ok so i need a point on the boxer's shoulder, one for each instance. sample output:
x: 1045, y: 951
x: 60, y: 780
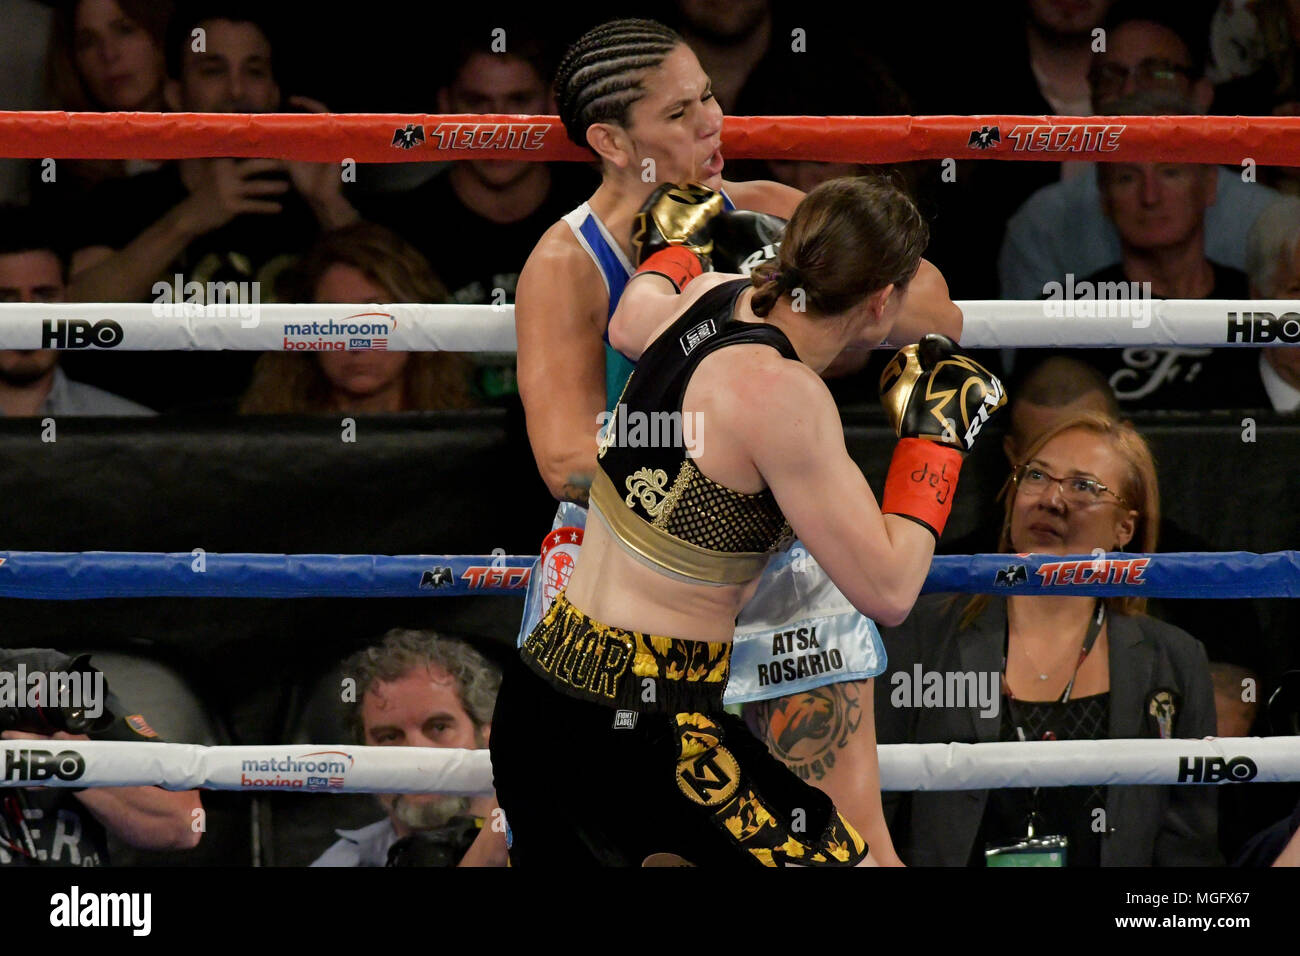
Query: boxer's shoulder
x: 764, y: 195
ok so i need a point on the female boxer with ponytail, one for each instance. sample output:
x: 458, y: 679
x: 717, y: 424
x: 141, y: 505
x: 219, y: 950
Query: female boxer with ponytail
x: 633, y: 93
x: 621, y: 682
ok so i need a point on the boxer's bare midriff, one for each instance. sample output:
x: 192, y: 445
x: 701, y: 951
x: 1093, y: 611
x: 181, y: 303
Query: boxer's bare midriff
x: 619, y: 588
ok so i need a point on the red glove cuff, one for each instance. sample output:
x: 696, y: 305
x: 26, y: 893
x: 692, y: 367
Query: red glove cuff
x: 921, y: 482
x: 676, y: 264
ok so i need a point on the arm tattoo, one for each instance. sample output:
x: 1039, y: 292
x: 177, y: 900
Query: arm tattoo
x: 577, y: 488
x: 804, y: 731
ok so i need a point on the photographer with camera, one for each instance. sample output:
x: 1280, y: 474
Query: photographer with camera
x: 48, y: 696
x: 419, y: 689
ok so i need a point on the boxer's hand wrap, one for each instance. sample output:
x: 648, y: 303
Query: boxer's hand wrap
x: 675, y: 216
x: 677, y: 264
x: 938, y: 400
x: 744, y: 240
x: 921, y: 481
x: 932, y: 390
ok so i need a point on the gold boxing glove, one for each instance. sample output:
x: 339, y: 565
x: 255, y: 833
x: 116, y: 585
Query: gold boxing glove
x: 676, y: 216
x: 933, y: 390
x: 938, y: 400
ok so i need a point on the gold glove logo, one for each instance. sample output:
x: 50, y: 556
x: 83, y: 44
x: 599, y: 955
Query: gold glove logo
x: 677, y: 213
x: 707, y: 773
x: 991, y: 397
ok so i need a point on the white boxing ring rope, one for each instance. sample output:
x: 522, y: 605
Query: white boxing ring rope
x: 1061, y: 323
x: 330, y: 768
x: 232, y: 324
x: 251, y: 326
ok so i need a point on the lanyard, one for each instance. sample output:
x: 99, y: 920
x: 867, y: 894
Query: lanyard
x: 1094, y: 629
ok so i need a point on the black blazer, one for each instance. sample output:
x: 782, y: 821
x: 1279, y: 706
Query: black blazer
x: 1149, y: 825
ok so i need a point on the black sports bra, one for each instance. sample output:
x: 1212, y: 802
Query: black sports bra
x: 646, y: 487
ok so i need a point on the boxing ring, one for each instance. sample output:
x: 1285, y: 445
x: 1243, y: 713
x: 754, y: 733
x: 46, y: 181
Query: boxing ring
x: 181, y: 321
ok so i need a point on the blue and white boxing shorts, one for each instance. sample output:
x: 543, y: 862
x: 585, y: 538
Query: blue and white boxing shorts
x: 796, y: 634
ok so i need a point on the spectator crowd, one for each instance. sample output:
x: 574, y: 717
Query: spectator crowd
x: 460, y: 232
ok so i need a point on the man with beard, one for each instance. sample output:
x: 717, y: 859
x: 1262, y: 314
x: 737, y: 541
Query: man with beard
x: 31, y: 382
x: 418, y: 689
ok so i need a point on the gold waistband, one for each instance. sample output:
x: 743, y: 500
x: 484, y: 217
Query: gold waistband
x: 667, y: 551
x: 609, y: 665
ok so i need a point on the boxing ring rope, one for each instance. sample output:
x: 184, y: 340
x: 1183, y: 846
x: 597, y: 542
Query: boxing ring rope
x: 404, y: 138
x: 53, y: 575
x: 342, y: 768
x: 246, y: 325
x: 385, y: 138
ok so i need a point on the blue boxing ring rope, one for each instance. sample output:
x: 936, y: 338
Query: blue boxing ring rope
x: 51, y: 575
x: 85, y: 575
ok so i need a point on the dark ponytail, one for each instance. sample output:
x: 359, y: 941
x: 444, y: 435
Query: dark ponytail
x: 848, y: 238
x: 771, y: 282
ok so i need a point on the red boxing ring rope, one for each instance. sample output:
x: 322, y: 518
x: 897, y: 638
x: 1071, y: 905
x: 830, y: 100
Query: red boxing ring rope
x: 397, y: 138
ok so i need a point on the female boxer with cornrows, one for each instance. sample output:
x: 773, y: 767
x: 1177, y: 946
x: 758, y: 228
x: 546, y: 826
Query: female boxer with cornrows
x: 626, y: 671
x: 633, y: 93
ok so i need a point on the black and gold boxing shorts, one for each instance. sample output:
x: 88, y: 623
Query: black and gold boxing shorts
x: 625, y: 669
x: 635, y: 756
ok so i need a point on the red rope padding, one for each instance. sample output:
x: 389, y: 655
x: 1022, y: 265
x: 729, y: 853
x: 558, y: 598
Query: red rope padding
x: 375, y: 138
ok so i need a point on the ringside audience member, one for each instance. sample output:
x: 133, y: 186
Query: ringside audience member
x: 358, y: 264
x: 210, y: 221
x: 1160, y: 212
x: 1051, y: 667
x: 105, y: 55
x: 1150, y: 51
x: 32, y: 269
x: 70, y: 827
x: 1273, y: 267
x: 419, y: 689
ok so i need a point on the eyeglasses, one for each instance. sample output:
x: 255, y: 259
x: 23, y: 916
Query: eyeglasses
x: 1078, y: 492
x: 1152, y: 73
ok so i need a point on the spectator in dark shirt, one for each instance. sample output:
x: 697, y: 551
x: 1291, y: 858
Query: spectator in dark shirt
x: 1151, y: 50
x: 207, y: 220
x: 1056, y: 667
x: 357, y: 264
x: 31, y: 382
x: 105, y: 55
x: 1034, y: 57
x: 1159, y: 211
x: 477, y: 222
x: 1062, y: 386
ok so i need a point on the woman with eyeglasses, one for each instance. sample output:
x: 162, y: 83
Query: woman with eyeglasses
x: 1054, y: 667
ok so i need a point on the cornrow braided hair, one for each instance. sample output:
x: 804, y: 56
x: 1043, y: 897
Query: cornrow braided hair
x: 600, y: 76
